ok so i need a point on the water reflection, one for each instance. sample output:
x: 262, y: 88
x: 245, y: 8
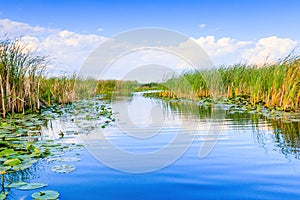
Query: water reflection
x: 285, y: 136
x: 249, y: 154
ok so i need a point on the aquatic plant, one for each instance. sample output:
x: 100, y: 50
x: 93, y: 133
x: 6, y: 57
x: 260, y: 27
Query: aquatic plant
x: 275, y: 86
x: 20, y: 73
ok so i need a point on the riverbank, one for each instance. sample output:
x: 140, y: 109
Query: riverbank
x: 274, y: 87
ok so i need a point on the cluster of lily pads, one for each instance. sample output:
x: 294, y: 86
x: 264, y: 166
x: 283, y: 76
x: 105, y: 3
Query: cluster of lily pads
x: 41, y: 195
x: 22, y: 142
x: 241, y: 104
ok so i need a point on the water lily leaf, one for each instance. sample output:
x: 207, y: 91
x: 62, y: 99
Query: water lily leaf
x: 32, y: 186
x: 12, y: 162
x: 51, y: 145
x: 3, y: 124
x: 45, y: 195
x: 16, y: 184
x: 63, y: 168
x: 8, y: 152
x: 3, y: 195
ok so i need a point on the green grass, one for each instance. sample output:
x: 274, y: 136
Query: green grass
x: 274, y: 86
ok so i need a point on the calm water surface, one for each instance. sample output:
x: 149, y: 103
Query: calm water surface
x: 254, y: 158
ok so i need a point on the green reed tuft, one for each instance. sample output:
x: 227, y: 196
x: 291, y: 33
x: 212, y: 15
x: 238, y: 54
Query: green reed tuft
x: 274, y: 85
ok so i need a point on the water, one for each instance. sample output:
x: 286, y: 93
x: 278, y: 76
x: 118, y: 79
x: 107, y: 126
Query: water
x: 250, y: 157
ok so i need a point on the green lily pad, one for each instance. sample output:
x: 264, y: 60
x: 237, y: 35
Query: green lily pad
x: 3, y: 195
x: 16, y: 184
x: 50, y: 145
x: 32, y: 186
x: 8, y: 152
x: 63, y: 168
x: 45, y: 195
x: 12, y: 162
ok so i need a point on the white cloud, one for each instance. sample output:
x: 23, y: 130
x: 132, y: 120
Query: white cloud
x: 70, y: 49
x: 269, y: 49
x: 17, y: 29
x: 100, y: 29
x: 231, y: 51
x: 67, y: 49
x: 224, y: 50
x: 202, y: 25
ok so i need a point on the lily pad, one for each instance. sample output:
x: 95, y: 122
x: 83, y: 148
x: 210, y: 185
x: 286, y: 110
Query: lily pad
x: 12, y: 162
x: 16, y: 184
x: 32, y: 186
x: 8, y: 152
x: 45, y: 195
x: 3, y: 195
x: 63, y: 168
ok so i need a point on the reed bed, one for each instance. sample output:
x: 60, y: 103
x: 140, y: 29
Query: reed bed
x: 20, y: 76
x: 274, y: 86
x: 24, y: 86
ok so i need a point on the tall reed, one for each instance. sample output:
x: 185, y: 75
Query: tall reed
x: 20, y: 73
x: 275, y: 85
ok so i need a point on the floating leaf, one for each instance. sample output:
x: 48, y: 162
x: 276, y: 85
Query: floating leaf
x: 16, y: 184
x: 32, y: 186
x: 63, y: 168
x: 12, y: 162
x: 3, y: 195
x: 45, y: 195
x: 51, y: 145
x: 8, y: 152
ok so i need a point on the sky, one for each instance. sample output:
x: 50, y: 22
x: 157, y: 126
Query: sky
x: 229, y: 31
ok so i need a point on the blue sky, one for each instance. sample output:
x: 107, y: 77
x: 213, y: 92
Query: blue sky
x: 229, y: 31
x: 245, y: 20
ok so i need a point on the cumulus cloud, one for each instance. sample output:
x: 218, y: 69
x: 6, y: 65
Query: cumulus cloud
x: 70, y: 49
x: 224, y: 50
x: 269, y: 49
x: 227, y: 50
x: 67, y: 49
